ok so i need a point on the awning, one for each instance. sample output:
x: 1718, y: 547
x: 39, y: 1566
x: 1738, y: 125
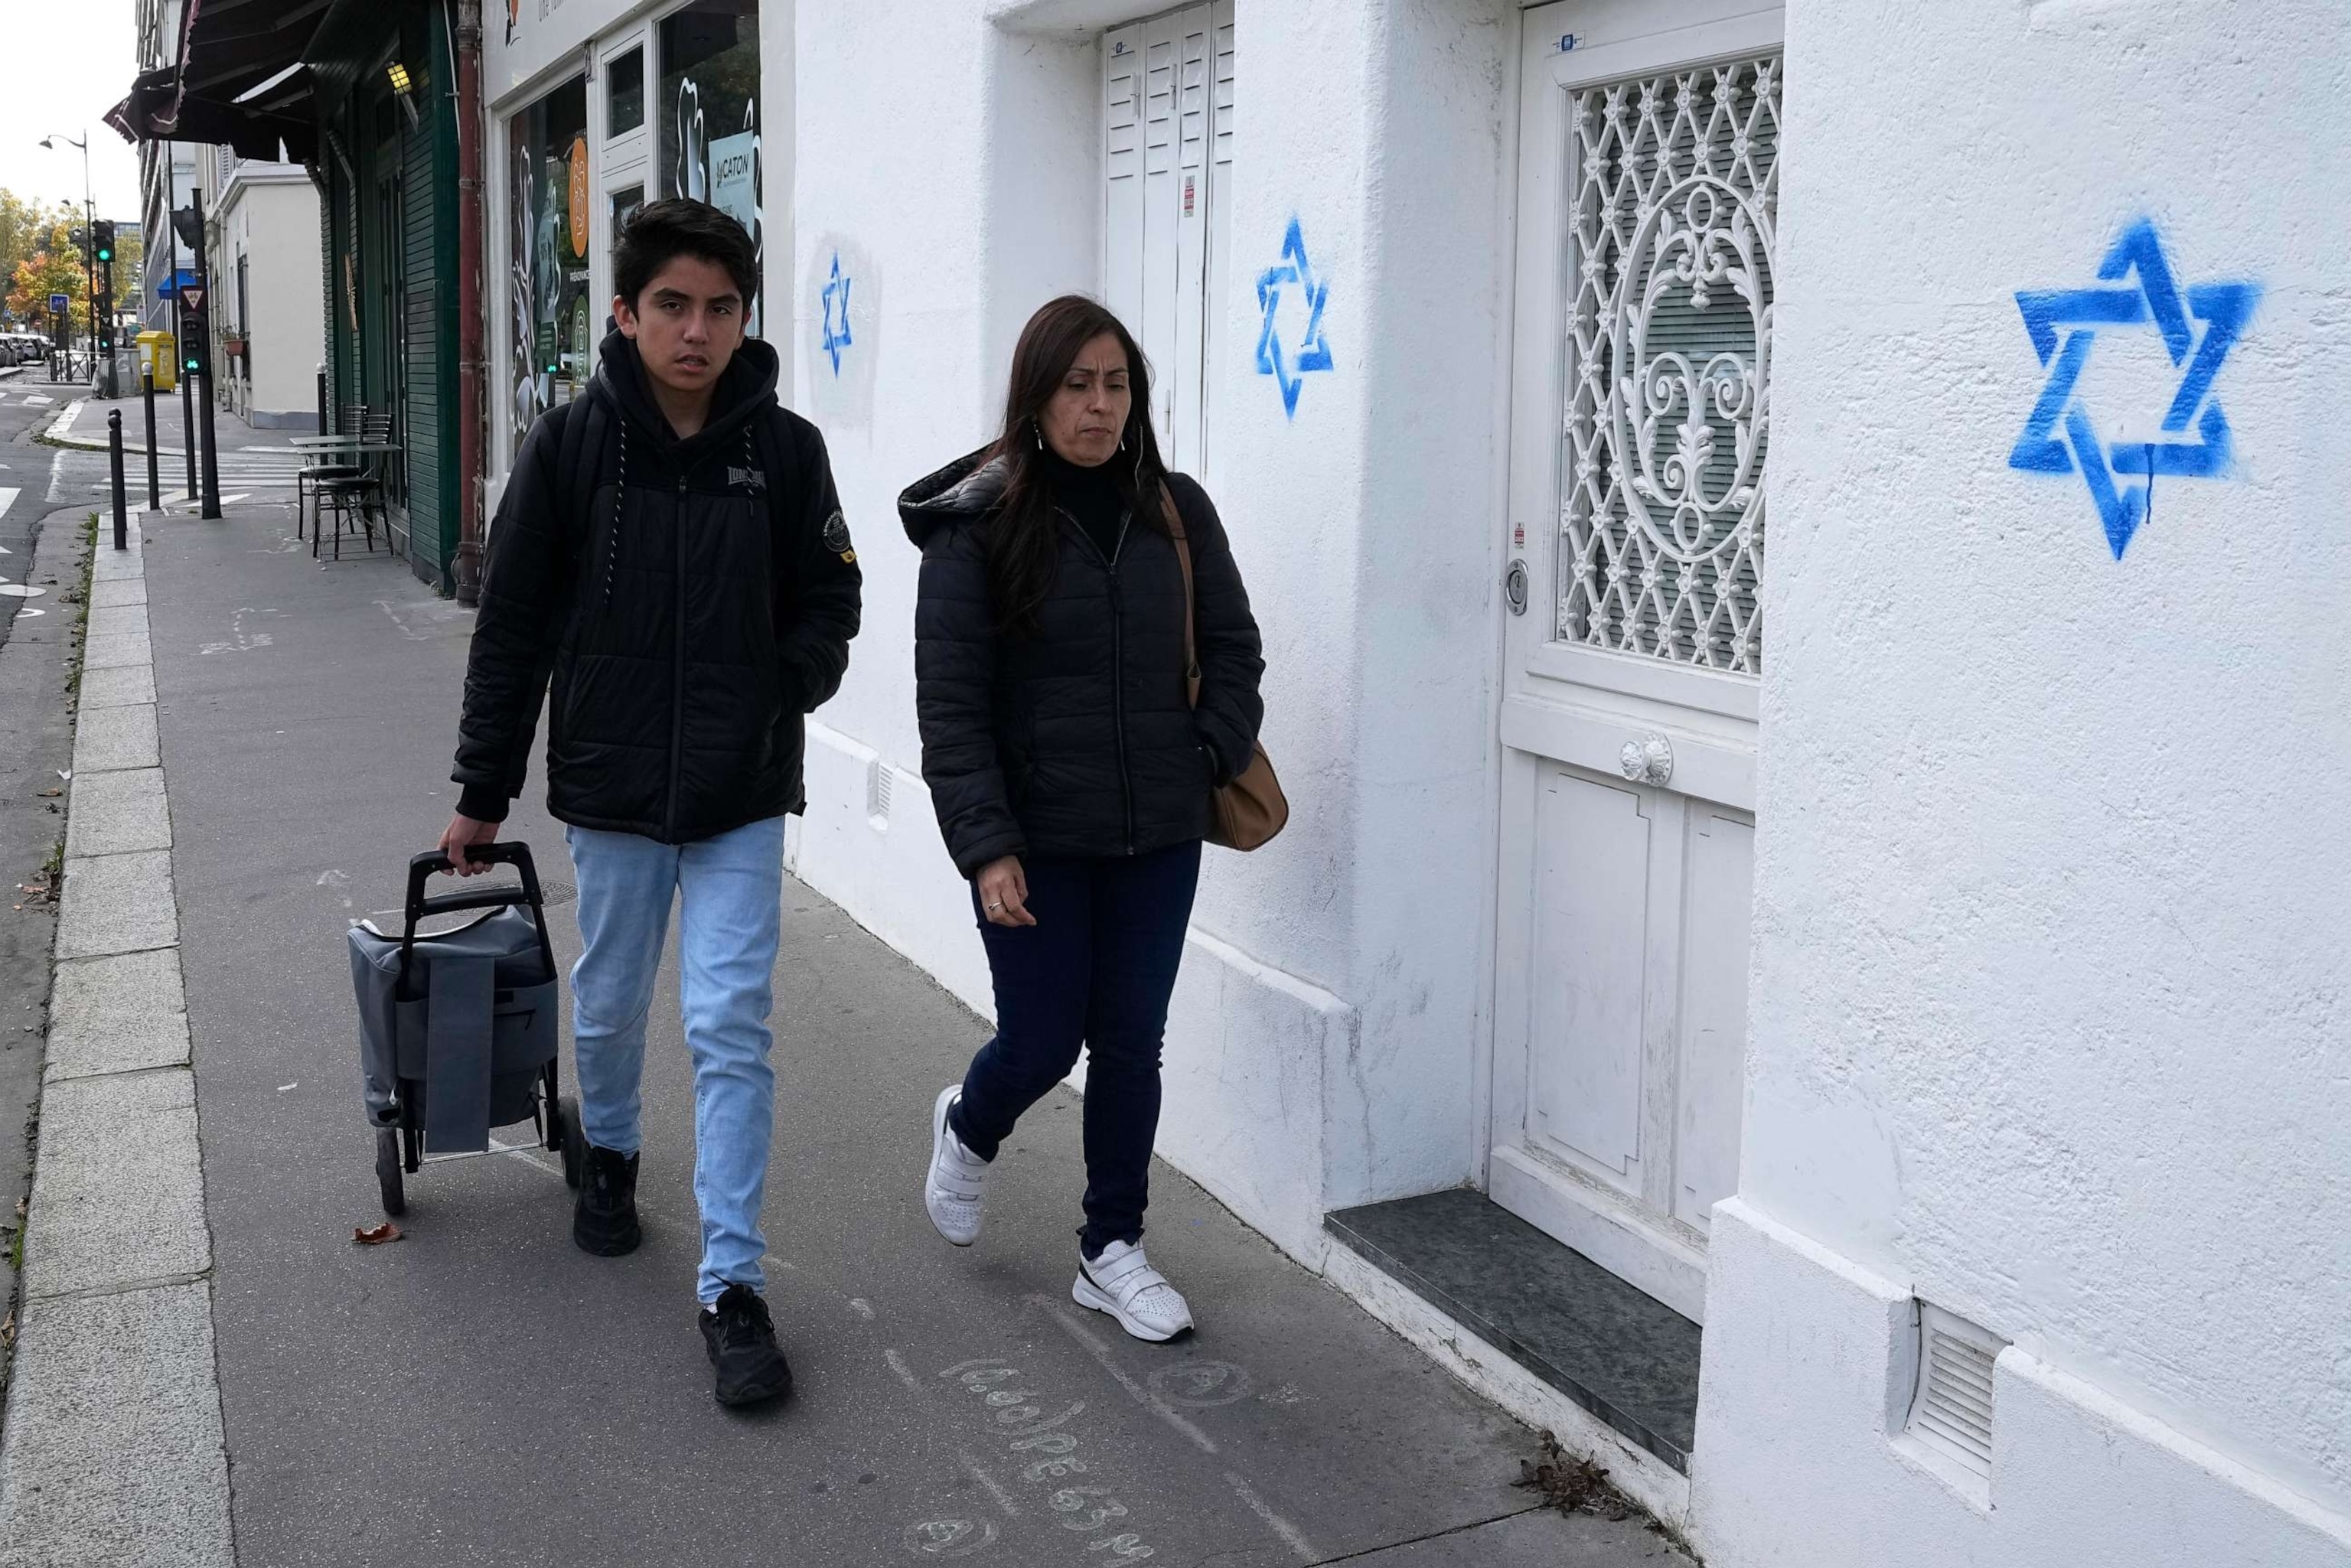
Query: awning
x: 169, y: 287
x: 236, y: 82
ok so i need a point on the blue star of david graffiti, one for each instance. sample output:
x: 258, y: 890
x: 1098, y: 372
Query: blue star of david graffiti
x: 836, y: 336
x: 2060, y: 437
x: 1313, y: 351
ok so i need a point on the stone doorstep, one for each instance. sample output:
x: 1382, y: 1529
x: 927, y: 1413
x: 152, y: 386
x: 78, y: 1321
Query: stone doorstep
x: 1608, y: 1346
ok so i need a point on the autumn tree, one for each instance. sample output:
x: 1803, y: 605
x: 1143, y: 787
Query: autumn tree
x: 25, y: 226
x: 56, y: 267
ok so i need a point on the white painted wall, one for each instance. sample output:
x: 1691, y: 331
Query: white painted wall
x: 2050, y: 995
x: 1324, y: 1038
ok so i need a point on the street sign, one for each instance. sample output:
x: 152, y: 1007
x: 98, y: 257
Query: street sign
x: 192, y: 297
x: 58, y: 303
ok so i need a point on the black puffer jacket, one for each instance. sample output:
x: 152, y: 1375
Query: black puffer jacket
x: 691, y: 601
x: 1078, y: 741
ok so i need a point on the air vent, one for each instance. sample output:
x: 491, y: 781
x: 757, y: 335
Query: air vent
x: 1950, y: 1408
x: 878, y: 775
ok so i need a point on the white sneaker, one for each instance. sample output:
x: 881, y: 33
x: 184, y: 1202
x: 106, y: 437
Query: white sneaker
x: 1122, y: 1283
x: 956, y: 1191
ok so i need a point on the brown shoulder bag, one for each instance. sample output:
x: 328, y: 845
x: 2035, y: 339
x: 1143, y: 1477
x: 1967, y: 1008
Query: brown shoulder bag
x: 1247, y: 812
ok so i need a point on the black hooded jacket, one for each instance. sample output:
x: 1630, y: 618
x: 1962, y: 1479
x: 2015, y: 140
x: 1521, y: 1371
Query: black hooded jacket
x: 690, y: 600
x: 1078, y: 740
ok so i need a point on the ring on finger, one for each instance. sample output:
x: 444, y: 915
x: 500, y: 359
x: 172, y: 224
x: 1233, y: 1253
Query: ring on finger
x: 997, y: 905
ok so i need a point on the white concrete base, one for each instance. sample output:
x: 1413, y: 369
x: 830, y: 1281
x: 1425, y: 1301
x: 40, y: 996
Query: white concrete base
x: 1806, y: 1378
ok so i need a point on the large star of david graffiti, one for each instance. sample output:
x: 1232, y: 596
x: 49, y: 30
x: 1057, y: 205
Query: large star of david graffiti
x: 836, y: 322
x: 1313, y: 352
x: 2198, y: 327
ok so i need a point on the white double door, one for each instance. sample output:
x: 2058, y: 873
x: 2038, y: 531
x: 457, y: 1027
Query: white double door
x: 1647, y: 197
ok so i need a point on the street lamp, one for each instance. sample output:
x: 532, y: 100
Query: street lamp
x: 90, y: 222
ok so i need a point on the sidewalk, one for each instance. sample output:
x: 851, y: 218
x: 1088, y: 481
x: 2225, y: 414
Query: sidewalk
x: 483, y: 1391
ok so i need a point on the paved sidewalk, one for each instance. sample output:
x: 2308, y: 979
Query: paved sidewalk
x: 483, y: 1391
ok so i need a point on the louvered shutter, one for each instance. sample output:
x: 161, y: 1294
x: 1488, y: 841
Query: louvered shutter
x: 1122, y: 172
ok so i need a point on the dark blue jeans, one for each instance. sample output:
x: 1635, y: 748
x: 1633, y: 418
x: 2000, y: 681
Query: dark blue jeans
x: 1096, y: 969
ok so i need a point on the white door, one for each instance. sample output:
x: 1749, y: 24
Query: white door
x: 1167, y: 142
x: 1647, y: 196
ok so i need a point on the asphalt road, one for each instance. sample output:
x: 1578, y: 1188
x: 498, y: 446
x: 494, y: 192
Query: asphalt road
x: 484, y: 1393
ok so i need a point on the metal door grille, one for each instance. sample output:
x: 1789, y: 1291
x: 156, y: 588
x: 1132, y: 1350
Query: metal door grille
x: 1673, y: 188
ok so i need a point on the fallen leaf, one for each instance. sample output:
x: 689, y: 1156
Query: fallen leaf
x: 7, y: 1331
x: 51, y: 794
x: 375, y: 1235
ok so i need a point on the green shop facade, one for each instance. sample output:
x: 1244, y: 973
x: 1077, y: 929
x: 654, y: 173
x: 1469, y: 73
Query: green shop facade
x: 384, y: 86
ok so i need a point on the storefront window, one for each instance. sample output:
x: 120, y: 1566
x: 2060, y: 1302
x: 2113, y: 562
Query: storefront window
x: 625, y: 202
x: 553, y: 351
x: 624, y: 108
x: 708, y: 111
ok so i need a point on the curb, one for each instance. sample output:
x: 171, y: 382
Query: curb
x: 113, y: 1448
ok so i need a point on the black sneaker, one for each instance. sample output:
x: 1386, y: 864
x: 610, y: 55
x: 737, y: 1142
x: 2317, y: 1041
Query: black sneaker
x: 741, y: 1340
x: 604, y: 1217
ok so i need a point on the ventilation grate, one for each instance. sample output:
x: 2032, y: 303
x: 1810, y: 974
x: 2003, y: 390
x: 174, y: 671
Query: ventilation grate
x: 1951, y: 1408
x: 878, y: 775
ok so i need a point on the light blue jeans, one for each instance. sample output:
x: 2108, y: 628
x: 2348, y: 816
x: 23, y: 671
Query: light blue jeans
x: 729, y: 888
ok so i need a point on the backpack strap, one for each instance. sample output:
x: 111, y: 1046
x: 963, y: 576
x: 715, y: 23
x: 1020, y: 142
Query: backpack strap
x: 1191, y: 607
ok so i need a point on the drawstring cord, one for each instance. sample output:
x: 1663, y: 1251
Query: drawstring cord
x: 620, y: 503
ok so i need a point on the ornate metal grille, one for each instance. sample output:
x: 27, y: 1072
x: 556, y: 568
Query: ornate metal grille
x: 1674, y: 183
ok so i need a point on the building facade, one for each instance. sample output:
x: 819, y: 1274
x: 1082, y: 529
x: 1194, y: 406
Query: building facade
x: 1796, y: 556
x: 384, y: 95
x: 267, y: 314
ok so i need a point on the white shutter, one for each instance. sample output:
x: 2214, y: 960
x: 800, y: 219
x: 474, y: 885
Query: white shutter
x: 1122, y: 172
x: 1166, y: 149
x: 1196, y: 91
x: 1218, y: 201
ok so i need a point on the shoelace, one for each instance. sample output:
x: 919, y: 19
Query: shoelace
x: 743, y: 1321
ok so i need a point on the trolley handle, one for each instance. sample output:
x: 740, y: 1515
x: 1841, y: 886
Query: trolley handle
x: 434, y: 862
x: 419, y: 907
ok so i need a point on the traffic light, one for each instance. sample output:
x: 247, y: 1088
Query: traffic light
x: 102, y: 230
x: 189, y: 226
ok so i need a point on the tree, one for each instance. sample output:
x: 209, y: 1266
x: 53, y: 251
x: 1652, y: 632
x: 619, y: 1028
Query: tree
x: 57, y: 267
x: 25, y: 226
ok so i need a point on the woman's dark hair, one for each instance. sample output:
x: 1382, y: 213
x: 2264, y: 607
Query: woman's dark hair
x: 661, y: 232
x: 1023, y: 544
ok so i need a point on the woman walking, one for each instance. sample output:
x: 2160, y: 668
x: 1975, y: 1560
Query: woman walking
x: 1070, y: 772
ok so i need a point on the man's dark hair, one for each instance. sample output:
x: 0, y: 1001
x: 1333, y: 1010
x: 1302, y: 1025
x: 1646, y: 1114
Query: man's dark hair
x: 661, y: 232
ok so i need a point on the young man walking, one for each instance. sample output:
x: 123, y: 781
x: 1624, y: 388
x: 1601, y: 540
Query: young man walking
x: 669, y: 568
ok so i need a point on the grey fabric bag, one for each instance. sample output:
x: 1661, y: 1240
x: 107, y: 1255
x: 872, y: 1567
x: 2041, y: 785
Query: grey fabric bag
x: 466, y: 1038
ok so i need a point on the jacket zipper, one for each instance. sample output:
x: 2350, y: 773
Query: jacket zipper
x: 1117, y: 658
x: 1118, y: 676
x: 677, y: 663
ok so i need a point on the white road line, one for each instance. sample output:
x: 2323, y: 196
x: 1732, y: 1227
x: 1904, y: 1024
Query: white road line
x: 7, y: 499
x: 57, y: 478
x: 995, y: 1488
x: 1273, y: 1521
x: 1101, y: 1352
x: 36, y: 398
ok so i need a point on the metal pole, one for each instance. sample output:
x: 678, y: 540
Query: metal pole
x: 204, y: 281
x: 121, y: 500
x: 322, y: 402
x: 187, y: 404
x: 154, y: 478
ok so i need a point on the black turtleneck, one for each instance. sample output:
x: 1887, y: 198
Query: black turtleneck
x: 1091, y: 497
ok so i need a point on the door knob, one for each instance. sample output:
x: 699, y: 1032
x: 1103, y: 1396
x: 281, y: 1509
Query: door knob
x: 1514, y: 587
x: 1648, y: 761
